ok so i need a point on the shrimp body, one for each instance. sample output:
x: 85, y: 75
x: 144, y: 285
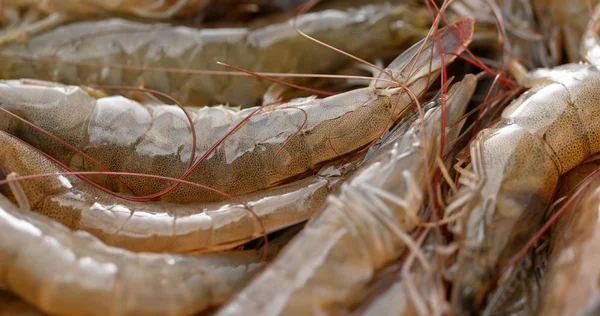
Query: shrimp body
x: 160, y: 226
x: 570, y: 286
x: 87, y: 8
x: 412, y: 290
x: 270, y: 147
x: 328, y: 265
x: 514, y: 170
x: 83, y: 52
x: 73, y: 273
x: 563, y: 25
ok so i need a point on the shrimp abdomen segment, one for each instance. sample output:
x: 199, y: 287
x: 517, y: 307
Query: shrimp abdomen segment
x: 517, y: 190
x: 543, y: 134
x: 566, y: 121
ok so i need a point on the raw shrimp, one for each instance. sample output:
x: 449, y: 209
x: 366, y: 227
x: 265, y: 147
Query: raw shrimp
x: 90, y: 8
x: 514, y: 170
x: 327, y: 266
x: 60, y: 11
x: 57, y: 12
x: 121, y: 52
x: 270, y: 147
x: 589, y: 49
x: 563, y: 25
x: 570, y: 285
x: 161, y: 226
x: 519, y: 30
x: 73, y: 273
x: 412, y: 290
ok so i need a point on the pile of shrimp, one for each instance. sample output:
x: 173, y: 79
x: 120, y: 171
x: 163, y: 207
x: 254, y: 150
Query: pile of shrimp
x: 296, y: 157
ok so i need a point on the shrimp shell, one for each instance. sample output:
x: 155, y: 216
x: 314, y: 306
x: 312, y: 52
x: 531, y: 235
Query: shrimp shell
x: 563, y: 25
x: 514, y: 171
x: 73, y: 273
x: 570, y: 283
x: 83, y: 52
x: 326, y: 267
x: 90, y: 8
x: 269, y: 148
x: 412, y: 290
x: 161, y: 226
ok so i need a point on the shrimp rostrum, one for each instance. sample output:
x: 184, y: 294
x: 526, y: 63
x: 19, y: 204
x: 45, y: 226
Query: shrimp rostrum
x: 364, y: 227
x: 514, y: 170
x: 265, y: 149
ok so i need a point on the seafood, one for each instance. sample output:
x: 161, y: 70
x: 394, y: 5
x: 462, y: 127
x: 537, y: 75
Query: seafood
x: 361, y: 229
x: 541, y: 33
x: 589, y: 48
x: 570, y: 285
x: 161, y: 226
x: 564, y: 24
x: 270, y: 146
x: 518, y: 31
x: 414, y: 290
x: 73, y: 273
x: 121, y: 52
x: 142, y: 8
x: 514, y: 170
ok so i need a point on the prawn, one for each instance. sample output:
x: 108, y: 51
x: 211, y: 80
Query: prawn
x: 519, y: 32
x: 514, y: 170
x: 569, y: 286
x: 414, y: 290
x: 267, y: 149
x: 72, y: 273
x: 563, y: 25
x: 162, y: 226
x: 362, y: 228
x: 58, y: 12
x: 164, y: 57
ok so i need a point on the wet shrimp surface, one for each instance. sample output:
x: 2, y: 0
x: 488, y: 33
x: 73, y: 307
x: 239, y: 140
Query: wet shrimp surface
x: 338, y: 157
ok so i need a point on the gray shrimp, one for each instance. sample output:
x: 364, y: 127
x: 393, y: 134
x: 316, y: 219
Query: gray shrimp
x: 360, y: 230
x: 122, y: 52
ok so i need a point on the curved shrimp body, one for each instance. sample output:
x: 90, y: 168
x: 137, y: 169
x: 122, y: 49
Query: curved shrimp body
x: 514, y: 171
x: 72, y: 273
x: 160, y: 226
x: 570, y: 286
x: 82, y: 53
x: 270, y: 147
x: 328, y: 265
